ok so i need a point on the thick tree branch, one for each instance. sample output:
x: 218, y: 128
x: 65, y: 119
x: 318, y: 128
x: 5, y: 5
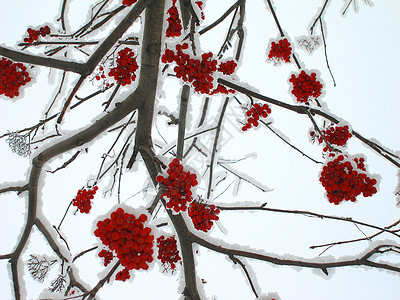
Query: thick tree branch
x: 70, y: 66
x: 18, y: 189
x: 182, y: 120
x: 363, y: 261
x: 146, y: 86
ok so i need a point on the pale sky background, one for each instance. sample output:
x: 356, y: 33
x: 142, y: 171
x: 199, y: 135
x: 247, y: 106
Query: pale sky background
x: 363, y: 50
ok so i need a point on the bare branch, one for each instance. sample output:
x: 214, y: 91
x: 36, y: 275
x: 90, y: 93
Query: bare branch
x: 304, y: 110
x: 214, y: 149
x: 309, y: 214
x: 182, y: 120
x: 237, y: 261
x: 18, y: 189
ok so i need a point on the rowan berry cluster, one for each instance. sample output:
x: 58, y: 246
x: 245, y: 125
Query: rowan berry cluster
x: 305, y: 86
x: 126, y: 236
x: 124, y: 72
x: 198, y: 72
x: 227, y: 68
x: 360, y: 163
x: 335, y: 135
x: 174, y: 22
x: 34, y: 34
x: 83, y: 199
x: 12, y: 77
x: 108, y: 256
x: 202, y: 215
x: 254, y: 115
x: 178, y: 186
x: 344, y: 182
x: 101, y: 77
x: 128, y: 2
x: 123, y: 275
x: 220, y: 89
x: 168, y: 252
x: 280, y: 52
x: 200, y: 5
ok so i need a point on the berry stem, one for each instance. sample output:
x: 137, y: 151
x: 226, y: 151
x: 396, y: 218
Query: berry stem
x: 321, y: 134
x: 62, y: 220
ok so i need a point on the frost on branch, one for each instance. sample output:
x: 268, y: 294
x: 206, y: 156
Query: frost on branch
x: 309, y: 43
x: 58, y: 284
x: 19, y: 143
x: 39, y: 266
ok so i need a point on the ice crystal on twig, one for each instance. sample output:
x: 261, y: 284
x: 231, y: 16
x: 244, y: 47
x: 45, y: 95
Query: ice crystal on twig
x: 39, y: 267
x: 309, y: 43
x: 58, y: 284
x: 19, y: 144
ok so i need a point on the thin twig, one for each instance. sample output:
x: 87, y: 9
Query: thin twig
x: 84, y: 252
x: 18, y: 189
x: 58, y: 93
x: 214, y: 149
x: 242, y: 178
x: 67, y: 162
x: 308, y: 214
x: 295, y: 148
x: 202, y: 118
x: 222, y: 18
x: 326, y: 55
x: 107, y: 104
x: 301, y: 109
x: 237, y: 261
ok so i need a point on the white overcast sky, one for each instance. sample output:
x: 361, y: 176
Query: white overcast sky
x: 363, y: 50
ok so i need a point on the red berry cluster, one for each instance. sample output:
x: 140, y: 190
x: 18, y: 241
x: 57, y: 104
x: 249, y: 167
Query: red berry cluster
x: 305, y: 86
x: 360, y: 163
x: 125, y: 234
x: 254, y: 115
x: 280, y: 51
x: 335, y: 135
x: 100, y: 76
x: 34, y: 34
x: 174, y: 22
x: 123, y: 275
x: 220, y: 89
x: 344, y: 182
x: 12, y: 77
x: 178, y: 185
x: 198, y: 72
x: 202, y: 215
x: 128, y: 2
x: 200, y: 5
x: 168, y: 251
x: 227, y: 68
x: 124, y: 72
x: 108, y: 256
x: 83, y: 199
